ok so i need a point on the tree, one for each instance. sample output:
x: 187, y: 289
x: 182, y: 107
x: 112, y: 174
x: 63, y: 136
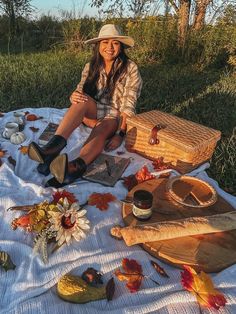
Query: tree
x: 14, y: 9
x: 200, y: 13
x: 182, y: 10
x: 137, y: 7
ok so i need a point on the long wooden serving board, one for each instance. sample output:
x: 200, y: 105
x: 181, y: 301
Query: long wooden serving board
x: 208, y: 252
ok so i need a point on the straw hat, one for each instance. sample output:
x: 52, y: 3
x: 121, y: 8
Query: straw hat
x: 112, y: 31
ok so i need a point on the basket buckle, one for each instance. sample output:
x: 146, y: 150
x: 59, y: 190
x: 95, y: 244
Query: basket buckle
x: 153, y: 137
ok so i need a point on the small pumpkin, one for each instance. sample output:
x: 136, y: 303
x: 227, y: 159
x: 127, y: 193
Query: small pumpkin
x: 17, y: 138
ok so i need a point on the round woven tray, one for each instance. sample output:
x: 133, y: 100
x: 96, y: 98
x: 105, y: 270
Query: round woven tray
x: 190, y: 200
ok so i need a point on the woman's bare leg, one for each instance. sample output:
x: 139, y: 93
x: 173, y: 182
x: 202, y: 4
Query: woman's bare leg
x: 75, y: 115
x: 96, y: 141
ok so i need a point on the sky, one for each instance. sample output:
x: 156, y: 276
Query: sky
x: 54, y: 7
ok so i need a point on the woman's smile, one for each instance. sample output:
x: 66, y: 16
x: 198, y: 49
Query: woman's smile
x: 109, y: 49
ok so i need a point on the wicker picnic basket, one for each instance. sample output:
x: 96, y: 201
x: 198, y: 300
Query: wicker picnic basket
x: 182, y: 143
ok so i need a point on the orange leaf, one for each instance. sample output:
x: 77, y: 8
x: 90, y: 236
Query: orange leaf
x: 101, y: 200
x: 62, y: 194
x: 141, y: 175
x: 202, y: 287
x: 132, y: 274
x: 23, y: 149
x: 159, y: 164
x: 32, y: 117
x: 23, y: 222
x: 2, y: 153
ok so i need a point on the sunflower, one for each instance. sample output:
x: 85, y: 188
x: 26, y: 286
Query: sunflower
x: 69, y: 222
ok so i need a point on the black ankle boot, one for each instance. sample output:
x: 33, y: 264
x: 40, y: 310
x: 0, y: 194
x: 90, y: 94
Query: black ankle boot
x: 44, y: 155
x: 65, y: 172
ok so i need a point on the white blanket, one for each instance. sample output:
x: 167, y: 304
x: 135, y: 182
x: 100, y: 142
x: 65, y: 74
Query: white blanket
x: 30, y: 288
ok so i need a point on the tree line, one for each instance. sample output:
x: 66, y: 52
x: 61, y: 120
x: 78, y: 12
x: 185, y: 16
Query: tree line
x: 179, y: 23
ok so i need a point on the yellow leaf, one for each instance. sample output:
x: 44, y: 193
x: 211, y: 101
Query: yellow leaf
x: 202, y: 287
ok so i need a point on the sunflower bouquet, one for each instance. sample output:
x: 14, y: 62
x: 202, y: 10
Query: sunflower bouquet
x: 58, y: 221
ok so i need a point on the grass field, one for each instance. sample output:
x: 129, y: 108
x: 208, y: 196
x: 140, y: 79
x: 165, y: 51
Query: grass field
x: 206, y: 96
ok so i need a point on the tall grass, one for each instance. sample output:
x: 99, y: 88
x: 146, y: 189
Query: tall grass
x: 206, y: 96
x: 38, y: 80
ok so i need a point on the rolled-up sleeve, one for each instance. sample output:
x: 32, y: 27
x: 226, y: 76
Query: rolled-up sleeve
x: 84, y: 75
x: 132, y: 90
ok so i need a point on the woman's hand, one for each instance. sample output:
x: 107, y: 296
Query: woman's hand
x: 77, y: 97
x: 113, y: 143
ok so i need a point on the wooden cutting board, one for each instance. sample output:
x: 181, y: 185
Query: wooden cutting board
x: 209, y: 252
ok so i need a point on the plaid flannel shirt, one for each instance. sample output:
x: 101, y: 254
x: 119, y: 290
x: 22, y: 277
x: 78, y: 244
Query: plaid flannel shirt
x: 127, y: 90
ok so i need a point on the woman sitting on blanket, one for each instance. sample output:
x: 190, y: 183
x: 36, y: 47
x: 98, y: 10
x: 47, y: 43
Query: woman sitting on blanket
x: 106, y: 95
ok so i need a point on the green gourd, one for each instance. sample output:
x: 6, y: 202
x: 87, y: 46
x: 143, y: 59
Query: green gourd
x: 75, y: 289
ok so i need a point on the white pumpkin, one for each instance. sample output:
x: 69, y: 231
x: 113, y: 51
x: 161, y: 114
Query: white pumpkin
x: 17, y: 138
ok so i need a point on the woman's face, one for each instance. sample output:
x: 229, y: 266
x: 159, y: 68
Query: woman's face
x: 109, y: 49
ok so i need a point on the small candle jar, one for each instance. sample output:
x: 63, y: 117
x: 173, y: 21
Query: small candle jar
x: 142, y: 204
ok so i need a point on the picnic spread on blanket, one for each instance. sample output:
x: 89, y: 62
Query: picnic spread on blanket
x: 159, y: 239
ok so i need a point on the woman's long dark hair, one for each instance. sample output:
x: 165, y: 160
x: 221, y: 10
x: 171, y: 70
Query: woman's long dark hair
x: 118, y: 68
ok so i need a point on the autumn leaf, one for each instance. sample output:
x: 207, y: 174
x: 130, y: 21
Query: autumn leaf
x: 132, y: 273
x: 130, y: 181
x: 159, y: 164
x: 92, y: 276
x: 159, y: 269
x: 110, y: 289
x: 23, y: 149
x: 23, y: 222
x: 2, y: 153
x: 140, y: 176
x: 32, y: 117
x: 12, y: 161
x: 33, y: 129
x: 143, y: 175
x: 61, y: 194
x: 202, y: 287
x: 101, y: 200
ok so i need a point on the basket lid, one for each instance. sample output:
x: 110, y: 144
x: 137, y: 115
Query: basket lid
x: 179, y: 132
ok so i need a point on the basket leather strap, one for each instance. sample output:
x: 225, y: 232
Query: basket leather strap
x: 153, y: 137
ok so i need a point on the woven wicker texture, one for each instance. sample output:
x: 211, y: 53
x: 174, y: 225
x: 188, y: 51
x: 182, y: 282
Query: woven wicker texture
x: 183, y: 143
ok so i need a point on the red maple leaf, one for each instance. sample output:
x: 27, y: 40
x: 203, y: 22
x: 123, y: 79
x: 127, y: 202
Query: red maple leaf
x: 159, y: 164
x: 202, y: 287
x: 141, y: 175
x: 101, y: 200
x: 132, y: 273
x: 61, y: 194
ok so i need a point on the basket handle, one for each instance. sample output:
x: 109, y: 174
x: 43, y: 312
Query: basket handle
x: 153, y: 137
